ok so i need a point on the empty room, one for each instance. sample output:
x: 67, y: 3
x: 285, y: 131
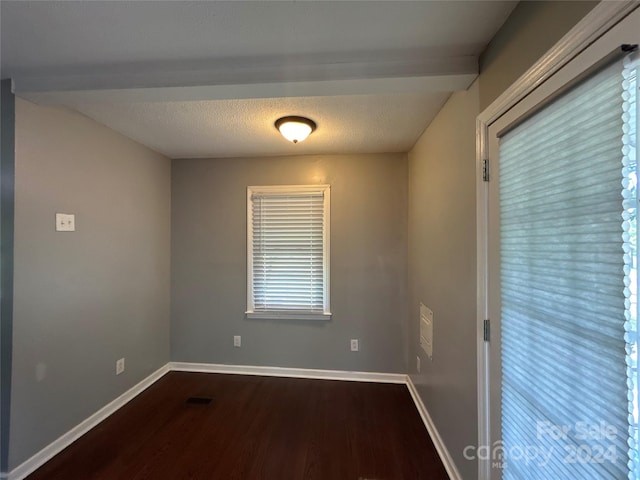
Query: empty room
x: 344, y: 240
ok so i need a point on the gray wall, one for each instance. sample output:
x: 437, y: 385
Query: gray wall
x: 442, y: 270
x: 531, y: 30
x: 368, y: 264
x: 7, y: 164
x: 84, y: 299
x: 442, y: 223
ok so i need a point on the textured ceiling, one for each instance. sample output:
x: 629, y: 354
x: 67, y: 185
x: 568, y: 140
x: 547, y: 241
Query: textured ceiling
x: 209, y: 78
x: 228, y: 128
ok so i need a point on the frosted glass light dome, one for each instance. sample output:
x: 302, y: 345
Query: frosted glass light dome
x: 295, y: 129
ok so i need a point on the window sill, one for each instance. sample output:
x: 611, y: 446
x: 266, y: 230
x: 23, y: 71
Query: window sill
x: 288, y: 315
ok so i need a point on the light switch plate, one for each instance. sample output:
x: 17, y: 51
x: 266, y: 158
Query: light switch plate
x: 119, y: 366
x: 65, y: 222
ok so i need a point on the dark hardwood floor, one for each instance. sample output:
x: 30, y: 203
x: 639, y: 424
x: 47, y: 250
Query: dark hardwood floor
x: 255, y: 428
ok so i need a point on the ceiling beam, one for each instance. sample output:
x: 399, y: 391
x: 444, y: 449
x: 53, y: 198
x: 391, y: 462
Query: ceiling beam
x: 434, y: 84
x: 318, y: 75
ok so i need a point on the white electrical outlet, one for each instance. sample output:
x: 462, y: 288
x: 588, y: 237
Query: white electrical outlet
x: 354, y: 345
x: 237, y: 341
x: 119, y: 366
x: 65, y: 222
x: 418, y: 364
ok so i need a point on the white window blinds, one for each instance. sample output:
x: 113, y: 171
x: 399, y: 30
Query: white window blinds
x: 567, y: 215
x: 288, y: 251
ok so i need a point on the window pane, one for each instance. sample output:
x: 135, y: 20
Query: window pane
x: 630, y: 155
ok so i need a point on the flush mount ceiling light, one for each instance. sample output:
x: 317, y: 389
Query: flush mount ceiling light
x: 295, y: 129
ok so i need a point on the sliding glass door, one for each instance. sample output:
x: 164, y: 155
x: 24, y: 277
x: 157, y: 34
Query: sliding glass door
x: 562, y: 277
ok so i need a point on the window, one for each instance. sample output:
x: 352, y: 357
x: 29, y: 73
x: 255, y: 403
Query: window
x: 288, y: 252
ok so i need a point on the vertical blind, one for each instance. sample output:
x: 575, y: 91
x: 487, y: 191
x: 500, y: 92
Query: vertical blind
x: 288, y: 251
x: 567, y: 215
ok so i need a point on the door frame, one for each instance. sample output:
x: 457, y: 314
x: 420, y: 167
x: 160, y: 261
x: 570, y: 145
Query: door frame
x: 596, y: 23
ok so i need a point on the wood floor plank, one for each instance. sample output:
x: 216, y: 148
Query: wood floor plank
x: 255, y: 428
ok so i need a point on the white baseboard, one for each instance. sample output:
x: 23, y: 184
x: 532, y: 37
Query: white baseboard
x: 68, y: 438
x: 40, y: 458
x: 289, y: 372
x: 441, y: 448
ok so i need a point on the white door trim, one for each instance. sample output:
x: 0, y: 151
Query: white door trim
x: 597, y: 22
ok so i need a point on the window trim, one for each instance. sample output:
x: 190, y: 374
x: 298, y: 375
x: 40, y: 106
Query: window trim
x: 290, y: 314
